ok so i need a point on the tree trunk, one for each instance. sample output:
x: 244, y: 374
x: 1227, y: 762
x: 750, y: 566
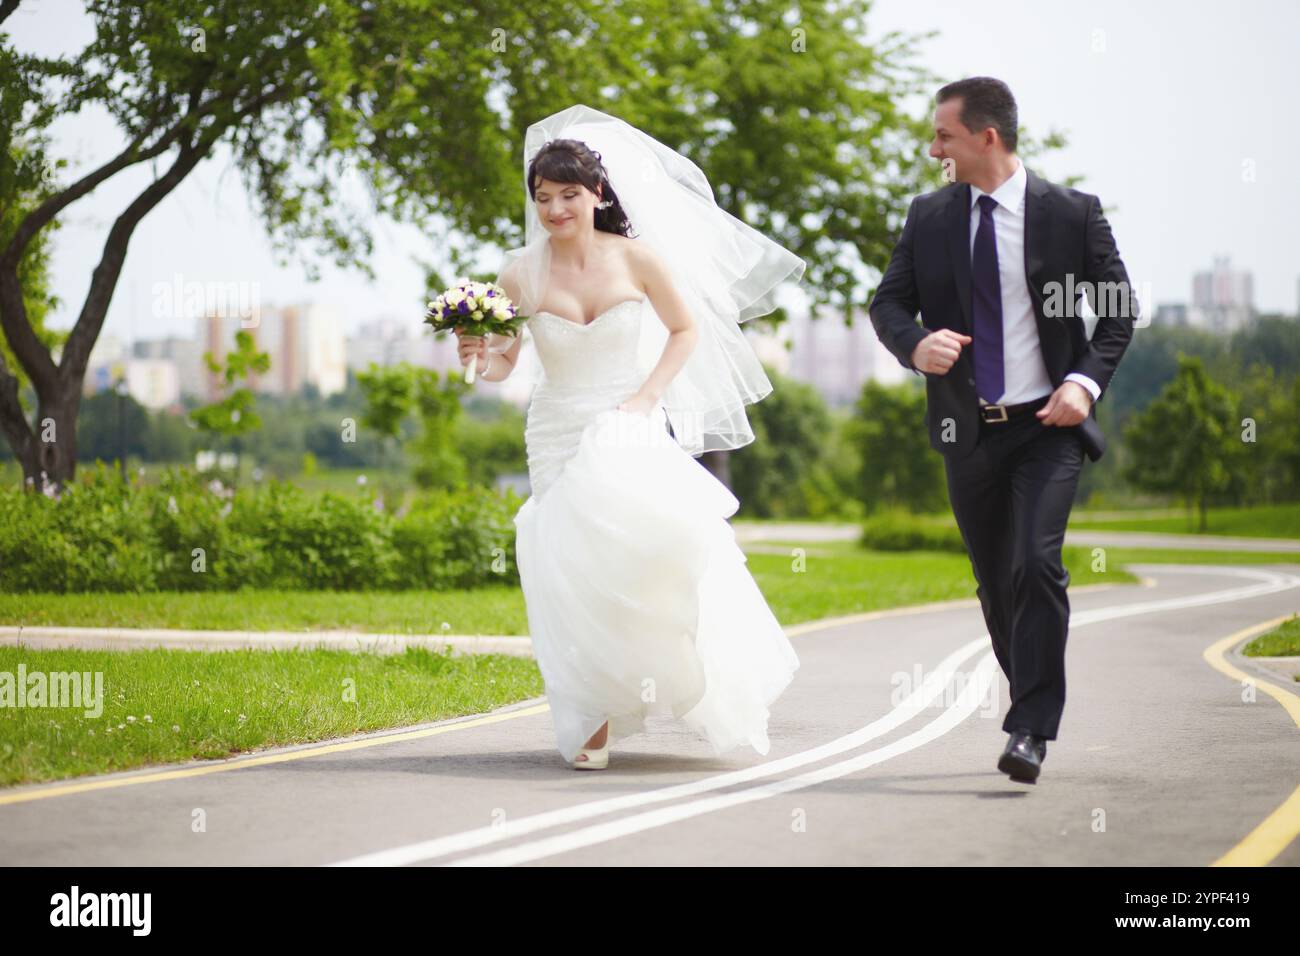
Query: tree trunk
x: 52, y: 448
x: 13, y: 423
x: 719, y: 465
x: 50, y: 455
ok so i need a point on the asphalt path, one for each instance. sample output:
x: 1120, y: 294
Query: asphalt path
x: 1173, y: 750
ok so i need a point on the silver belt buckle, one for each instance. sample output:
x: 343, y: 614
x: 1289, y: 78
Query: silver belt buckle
x: 1000, y: 408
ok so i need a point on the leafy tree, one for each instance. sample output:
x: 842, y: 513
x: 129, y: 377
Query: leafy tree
x: 235, y: 413
x: 800, y: 121
x: 1272, y: 460
x: 23, y: 183
x: 389, y: 393
x: 439, y: 462
x: 1188, y: 441
x: 492, y: 447
x: 790, y: 428
x: 898, y: 466
x: 1272, y: 341
x: 113, y: 427
x: 304, y: 96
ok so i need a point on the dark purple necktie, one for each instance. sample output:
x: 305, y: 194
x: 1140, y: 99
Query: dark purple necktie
x: 986, y: 307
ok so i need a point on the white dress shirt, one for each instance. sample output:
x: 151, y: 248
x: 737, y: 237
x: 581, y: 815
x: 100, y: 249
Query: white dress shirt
x: 1025, y: 374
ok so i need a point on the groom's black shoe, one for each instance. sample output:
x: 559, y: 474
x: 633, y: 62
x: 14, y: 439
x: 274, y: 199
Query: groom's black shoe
x: 1023, y: 758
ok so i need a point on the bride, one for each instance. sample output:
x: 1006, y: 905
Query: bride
x: 638, y: 598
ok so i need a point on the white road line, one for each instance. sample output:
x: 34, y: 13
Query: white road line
x: 931, y: 689
x: 933, y: 686
x: 969, y: 699
x: 1272, y: 582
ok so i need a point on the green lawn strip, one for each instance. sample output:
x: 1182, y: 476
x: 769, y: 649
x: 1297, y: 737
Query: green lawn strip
x: 851, y: 581
x: 288, y: 697
x: 838, y: 578
x: 166, y: 706
x: 496, y: 610
x: 1264, y: 521
x: 1122, y: 556
x: 1261, y: 521
x: 1282, y: 641
x: 1112, y: 555
x: 835, y: 578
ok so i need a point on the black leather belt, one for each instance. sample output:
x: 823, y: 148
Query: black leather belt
x: 994, y: 414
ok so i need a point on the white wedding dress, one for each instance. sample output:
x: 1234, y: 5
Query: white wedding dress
x: 639, y: 600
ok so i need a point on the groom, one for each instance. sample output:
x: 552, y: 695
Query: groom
x: 991, y: 262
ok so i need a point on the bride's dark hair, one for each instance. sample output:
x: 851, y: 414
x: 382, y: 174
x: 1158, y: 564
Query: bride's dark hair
x: 570, y: 161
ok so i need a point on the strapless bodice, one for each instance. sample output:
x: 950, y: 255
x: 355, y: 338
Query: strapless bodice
x: 601, y: 352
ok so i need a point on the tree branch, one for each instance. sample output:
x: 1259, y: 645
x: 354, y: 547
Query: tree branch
x: 41, y: 216
x: 28, y: 349
x: 12, y: 419
x: 31, y: 353
x: 76, y: 351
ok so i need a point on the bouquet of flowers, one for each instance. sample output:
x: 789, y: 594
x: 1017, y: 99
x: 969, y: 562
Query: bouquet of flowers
x: 477, y: 308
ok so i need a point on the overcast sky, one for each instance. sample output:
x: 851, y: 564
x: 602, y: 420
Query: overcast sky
x: 1181, y: 117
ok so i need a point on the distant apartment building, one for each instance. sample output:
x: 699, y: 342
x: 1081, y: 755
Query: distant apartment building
x: 388, y: 341
x: 305, y: 345
x: 837, y: 359
x: 1172, y: 315
x: 834, y: 359
x: 1223, y: 298
x: 154, y: 383
x: 152, y: 380
x: 183, y: 354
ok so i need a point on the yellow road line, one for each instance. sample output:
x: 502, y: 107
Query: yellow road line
x: 240, y: 763
x: 1280, y: 827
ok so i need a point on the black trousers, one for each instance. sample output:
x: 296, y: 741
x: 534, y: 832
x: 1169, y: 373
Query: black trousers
x: 1011, y: 497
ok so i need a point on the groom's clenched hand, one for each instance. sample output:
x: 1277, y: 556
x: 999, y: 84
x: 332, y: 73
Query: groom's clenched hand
x: 1068, y: 406
x: 938, y: 351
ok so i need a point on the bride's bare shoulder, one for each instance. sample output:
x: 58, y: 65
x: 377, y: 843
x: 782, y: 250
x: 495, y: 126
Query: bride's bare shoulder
x: 509, y: 280
x: 642, y: 261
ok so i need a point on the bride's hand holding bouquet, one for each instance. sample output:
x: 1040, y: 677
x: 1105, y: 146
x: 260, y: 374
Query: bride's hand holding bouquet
x: 474, y: 311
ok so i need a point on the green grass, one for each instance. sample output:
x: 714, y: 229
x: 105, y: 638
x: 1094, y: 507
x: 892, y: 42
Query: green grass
x: 1116, y: 557
x: 288, y: 697
x: 344, y: 480
x: 1282, y: 641
x: 1263, y: 521
x: 166, y: 706
x: 483, y: 611
x: 836, y: 579
x: 840, y: 578
x: 1121, y: 556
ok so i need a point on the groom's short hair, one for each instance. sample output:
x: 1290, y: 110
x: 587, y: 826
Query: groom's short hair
x: 985, y: 102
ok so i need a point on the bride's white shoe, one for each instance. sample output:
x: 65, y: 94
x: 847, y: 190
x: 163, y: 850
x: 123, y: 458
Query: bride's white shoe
x: 596, y: 758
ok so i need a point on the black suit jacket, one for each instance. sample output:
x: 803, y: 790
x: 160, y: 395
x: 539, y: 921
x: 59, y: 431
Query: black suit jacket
x: 1067, y: 240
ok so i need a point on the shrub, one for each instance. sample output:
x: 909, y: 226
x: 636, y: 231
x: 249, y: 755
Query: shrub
x: 897, y: 530
x: 189, y: 514
x: 94, y: 537
x: 107, y: 534
x: 316, y: 541
x: 458, y: 539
